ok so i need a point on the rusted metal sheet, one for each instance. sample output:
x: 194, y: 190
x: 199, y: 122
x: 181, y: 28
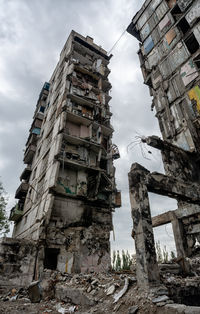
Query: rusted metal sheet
x: 193, y: 13
x: 196, y: 32
x: 183, y: 4
x: 188, y: 72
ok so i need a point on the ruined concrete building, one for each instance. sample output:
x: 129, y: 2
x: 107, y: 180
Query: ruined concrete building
x: 67, y: 192
x: 168, y: 32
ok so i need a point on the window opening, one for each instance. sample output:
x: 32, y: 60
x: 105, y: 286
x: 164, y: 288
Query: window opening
x: 51, y: 258
x: 192, y: 44
x: 183, y: 25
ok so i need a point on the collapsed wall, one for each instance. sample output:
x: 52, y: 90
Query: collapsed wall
x: 17, y: 263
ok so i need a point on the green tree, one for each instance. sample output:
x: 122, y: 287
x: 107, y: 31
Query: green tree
x: 118, y: 262
x: 165, y: 255
x: 126, y: 260
x: 4, y: 223
x: 121, y: 261
x: 114, y: 260
x: 159, y: 252
x: 173, y: 255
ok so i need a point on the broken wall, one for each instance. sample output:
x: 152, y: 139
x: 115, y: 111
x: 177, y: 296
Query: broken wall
x: 17, y: 263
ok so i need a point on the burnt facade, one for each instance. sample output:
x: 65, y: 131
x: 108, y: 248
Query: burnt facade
x: 169, y: 39
x: 67, y: 192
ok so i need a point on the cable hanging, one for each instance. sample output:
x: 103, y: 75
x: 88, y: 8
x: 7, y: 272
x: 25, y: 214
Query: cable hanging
x: 117, y: 41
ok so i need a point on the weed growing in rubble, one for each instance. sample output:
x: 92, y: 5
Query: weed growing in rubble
x: 121, y: 261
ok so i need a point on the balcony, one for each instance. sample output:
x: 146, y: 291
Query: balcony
x: 84, y: 70
x: 86, y: 142
x: 44, y: 92
x: 16, y: 213
x: 22, y: 190
x: 36, y: 131
x: 26, y: 173
x: 37, y: 121
x: 73, y: 161
x: 46, y: 86
x: 76, y: 118
x: 32, y: 139
x: 29, y: 154
x: 79, y: 99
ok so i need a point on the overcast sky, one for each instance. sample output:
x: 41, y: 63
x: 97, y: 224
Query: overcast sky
x: 32, y: 35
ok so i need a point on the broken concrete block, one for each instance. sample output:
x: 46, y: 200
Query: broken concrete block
x: 133, y: 309
x: 160, y: 290
x: 170, y: 268
x: 110, y: 290
x: 161, y: 298
x: 34, y: 291
x: 178, y: 309
x: 47, y: 288
x: 119, y: 294
x: 172, y: 309
x: 76, y: 296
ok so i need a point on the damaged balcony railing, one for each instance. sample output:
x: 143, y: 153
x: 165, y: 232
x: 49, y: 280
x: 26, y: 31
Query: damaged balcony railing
x: 26, y: 173
x: 29, y: 154
x: 16, y: 212
x: 22, y: 190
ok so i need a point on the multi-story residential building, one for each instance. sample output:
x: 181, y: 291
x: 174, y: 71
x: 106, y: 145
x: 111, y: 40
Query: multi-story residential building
x: 68, y: 192
x: 169, y: 36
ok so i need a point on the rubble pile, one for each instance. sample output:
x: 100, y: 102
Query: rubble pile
x: 105, y: 292
x: 183, y: 290
x: 99, y: 292
x: 80, y: 293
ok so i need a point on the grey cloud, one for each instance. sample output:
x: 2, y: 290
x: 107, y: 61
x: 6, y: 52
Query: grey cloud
x: 31, y: 38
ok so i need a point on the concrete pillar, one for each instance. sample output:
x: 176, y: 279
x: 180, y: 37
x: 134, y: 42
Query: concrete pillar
x: 178, y: 236
x: 146, y: 268
x: 181, y: 244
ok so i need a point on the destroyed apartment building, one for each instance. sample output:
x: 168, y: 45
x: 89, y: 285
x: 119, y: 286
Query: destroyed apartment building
x: 67, y: 193
x: 169, y: 39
